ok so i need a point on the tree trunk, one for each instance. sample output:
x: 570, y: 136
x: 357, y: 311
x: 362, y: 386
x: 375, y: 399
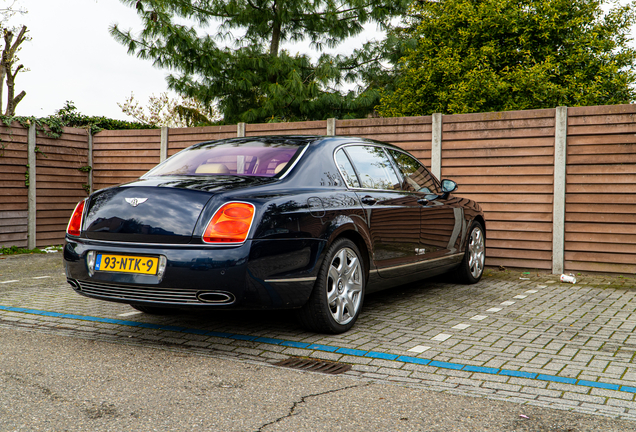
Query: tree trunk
x: 11, y: 47
x: 276, y: 26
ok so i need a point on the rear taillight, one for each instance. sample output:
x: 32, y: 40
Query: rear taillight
x: 74, y: 227
x: 230, y: 224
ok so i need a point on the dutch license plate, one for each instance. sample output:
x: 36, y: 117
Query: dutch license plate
x: 126, y: 264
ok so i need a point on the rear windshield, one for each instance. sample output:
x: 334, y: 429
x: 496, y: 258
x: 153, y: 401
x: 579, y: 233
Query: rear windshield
x: 245, y: 158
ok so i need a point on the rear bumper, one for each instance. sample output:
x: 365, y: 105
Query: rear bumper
x: 260, y: 274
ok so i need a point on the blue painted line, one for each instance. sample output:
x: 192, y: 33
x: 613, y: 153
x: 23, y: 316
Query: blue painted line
x: 380, y: 355
x: 488, y: 370
x: 415, y: 360
x: 294, y: 344
x: 558, y: 379
x: 270, y: 341
x: 353, y: 352
x: 329, y: 348
x: 446, y: 365
x: 598, y: 385
x: 518, y: 374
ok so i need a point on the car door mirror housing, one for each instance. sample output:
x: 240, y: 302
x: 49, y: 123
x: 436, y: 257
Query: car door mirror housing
x: 448, y: 186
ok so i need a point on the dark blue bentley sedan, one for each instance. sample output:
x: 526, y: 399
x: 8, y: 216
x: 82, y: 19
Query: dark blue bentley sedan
x: 282, y: 222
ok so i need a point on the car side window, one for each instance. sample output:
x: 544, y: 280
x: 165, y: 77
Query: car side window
x: 416, y: 176
x: 373, y: 167
x: 346, y: 169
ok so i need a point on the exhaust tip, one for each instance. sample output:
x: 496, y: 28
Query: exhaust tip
x: 73, y: 283
x: 218, y: 297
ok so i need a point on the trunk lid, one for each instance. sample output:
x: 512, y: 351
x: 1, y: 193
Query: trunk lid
x: 144, y: 214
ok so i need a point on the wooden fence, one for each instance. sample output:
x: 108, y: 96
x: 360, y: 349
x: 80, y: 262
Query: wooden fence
x: 509, y: 162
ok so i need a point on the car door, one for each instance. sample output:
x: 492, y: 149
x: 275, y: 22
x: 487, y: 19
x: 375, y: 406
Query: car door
x: 442, y: 220
x: 393, y: 215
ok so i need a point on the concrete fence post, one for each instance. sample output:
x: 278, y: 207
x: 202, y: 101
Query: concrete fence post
x: 331, y: 127
x: 558, y: 213
x: 163, y: 149
x: 31, y: 160
x: 240, y: 130
x: 436, y: 146
x: 90, y: 160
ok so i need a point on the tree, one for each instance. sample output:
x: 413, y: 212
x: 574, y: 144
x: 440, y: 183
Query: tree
x: 9, y: 56
x: 257, y: 80
x: 499, y: 55
x: 163, y: 110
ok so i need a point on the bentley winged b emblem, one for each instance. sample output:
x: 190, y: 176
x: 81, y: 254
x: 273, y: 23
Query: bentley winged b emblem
x: 135, y: 201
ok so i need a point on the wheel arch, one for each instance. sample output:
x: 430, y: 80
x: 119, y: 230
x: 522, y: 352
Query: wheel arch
x: 358, y: 240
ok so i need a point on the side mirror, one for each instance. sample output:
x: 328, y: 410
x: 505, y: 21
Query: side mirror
x: 448, y: 186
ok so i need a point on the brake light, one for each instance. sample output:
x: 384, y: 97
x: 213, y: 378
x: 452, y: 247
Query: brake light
x: 230, y: 224
x: 74, y: 227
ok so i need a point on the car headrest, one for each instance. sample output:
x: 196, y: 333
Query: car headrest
x: 212, y: 168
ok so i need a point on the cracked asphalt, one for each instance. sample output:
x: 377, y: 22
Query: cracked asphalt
x: 59, y: 371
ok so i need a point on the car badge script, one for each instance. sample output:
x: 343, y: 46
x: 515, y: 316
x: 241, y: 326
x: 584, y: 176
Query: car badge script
x: 135, y: 201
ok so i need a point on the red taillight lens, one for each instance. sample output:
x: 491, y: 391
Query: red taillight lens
x: 230, y: 224
x: 74, y: 227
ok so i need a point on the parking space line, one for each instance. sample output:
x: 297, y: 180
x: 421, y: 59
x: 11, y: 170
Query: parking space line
x: 9, y: 281
x: 532, y: 291
x: 461, y: 326
x: 479, y: 317
x: 419, y: 349
x: 520, y: 297
x: 507, y: 303
x: 40, y: 277
x: 129, y: 313
x: 346, y: 351
x: 441, y: 337
x: 495, y: 309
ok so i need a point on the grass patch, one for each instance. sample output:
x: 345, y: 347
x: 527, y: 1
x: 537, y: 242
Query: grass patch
x: 14, y: 250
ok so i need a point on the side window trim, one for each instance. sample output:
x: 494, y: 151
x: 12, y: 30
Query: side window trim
x: 355, y: 171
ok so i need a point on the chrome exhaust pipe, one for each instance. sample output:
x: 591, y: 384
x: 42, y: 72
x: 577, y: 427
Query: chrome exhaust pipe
x: 218, y: 297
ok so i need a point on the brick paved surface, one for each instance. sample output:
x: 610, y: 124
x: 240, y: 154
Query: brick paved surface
x: 516, y: 336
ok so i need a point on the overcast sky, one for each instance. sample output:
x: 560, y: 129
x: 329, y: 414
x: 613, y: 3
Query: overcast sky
x: 71, y: 56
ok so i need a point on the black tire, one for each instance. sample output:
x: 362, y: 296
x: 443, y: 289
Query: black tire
x: 154, y: 310
x: 320, y: 314
x: 472, y: 267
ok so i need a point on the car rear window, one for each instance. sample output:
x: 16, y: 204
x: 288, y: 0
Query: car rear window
x: 245, y: 158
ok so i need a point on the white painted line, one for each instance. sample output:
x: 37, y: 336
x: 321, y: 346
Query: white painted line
x: 520, y: 297
x: 507, y: 303
x: 532, y: 291
x: 542, y: 286
x: 494, y: 310
x: 129, y: 314
x: 9, y: 281
x: 550, y: 282
x: 461, y: 326
x: 41, y: 277
x: 442, y: 337
x: 479, y: 317
x: 419, y: 349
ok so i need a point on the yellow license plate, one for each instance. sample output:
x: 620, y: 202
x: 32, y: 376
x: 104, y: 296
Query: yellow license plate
x: 126, y: 264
